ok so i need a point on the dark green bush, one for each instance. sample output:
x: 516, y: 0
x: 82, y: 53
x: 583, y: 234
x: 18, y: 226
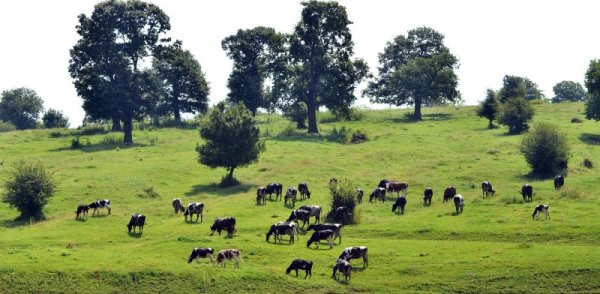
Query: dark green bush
x: 75, y: 143
x: 516, y: 114
x: 359, y: 137
x: 343, y: 194
x: 341, y: 136
x: 546, y: 149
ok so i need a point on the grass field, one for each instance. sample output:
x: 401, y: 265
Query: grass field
x: 494, y: 246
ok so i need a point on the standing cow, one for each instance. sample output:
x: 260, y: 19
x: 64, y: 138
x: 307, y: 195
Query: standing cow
x: 303, y: 190
x: 105, y: 203
x: 449, y: 193
x: 198, y: 253
x: 194, y: 208
x: 378, y: 193
x: 137, y: 220
x: 487, y: 189
x: 559, y: 181
x: 314, y: 210
x: 344, y: 267
x: 229, y: 254
x: 545, y: 209
x: 527, y: 192
x: 459, y: 203
x: 223, y: 223
x: 427, y: 195
x: 400, y: 203
x: 261, y: 196
x: 276, y: 188
x: 301, y: 264
x: 290, y: 196
x: 82, y: 211
x: 356, y: 252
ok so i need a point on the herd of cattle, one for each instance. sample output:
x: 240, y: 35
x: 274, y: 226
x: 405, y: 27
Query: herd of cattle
x: 322, y: 231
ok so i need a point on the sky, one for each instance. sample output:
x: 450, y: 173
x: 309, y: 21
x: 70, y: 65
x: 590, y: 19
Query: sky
x: 546, y: 41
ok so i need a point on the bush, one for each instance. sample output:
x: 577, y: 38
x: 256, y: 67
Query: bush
x: 341, y: 136
x: 516, y: 113
x: 359, y: 137
x: 75, y: 143
x: 343, y: 194
x: 571, y: 193
x: 55, y: 119
x: 6, y: 126
x: 92, y: 129
x: 546, y: 149
x: 587, y: 163
x: 28, y: 188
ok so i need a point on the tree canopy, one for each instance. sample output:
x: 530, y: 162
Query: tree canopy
x: 592, y: 83
x: 28, y: 188
x: 21, y: 107
x: 515, y: 86
x: 489, y: 107
x: 55, y: 119
x: 516, y: 114
x: 568, y: 91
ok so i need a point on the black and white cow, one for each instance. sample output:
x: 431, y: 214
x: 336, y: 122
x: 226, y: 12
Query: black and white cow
x: 276, y: 188
x: 397, y: 187
x: 229, y: 254
x: 459, y: 203
x: 82, y: 210
x: 400, y: 203
x: 378, y: 193
x: 527, y: 192
x: 105, y: 203
x: 314, y: 210
x: 284, y: 228
x: 487, y: 189
x: 196, y: 208
x: 321, y: 235
x: 559, y: 181
x: 303, y: 190
x: 300, y: 214
x: 290, y: 196
x: 223, y: 223
x: 383, y: 184
x: 359, y: 195
x: 261, y: 196
x: 427, y: 195
x: 198, y: 253
x: 300, y: 264
x: 356, y: 252
x: 449, y: 193
x: 177, y: 205
x: 137, y: 220
x: 344, y: 267
x: 336, y: 228
x: 545, y: 209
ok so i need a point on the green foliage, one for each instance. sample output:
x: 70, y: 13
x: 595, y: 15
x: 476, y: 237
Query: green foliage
x: 516, y: 114
x: 21, y: 107
x: 343, y: 194
x: 55, y: 119
x: 28, y: 188
x: 568, y: 91
x: 341, y: 136
x: 6, y: 126
x: 359, y: 137
x: 148, y: 193
x: 296, y: 112
x: 592, y: 83
x: 75, y: 143
x: 515, y: 86
x: 231, y: 139
x: 546, y: 149
x: 489, y: 107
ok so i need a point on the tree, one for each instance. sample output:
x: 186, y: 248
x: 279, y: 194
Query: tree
x: 231, y: 139
x: 254, y: 53
x: 516, y: 113
x: 514, y: 86
x: 21, y: 107
x: 592, y: 83
x: 546, y: 149
x: 106, y: 62
x: 184, y: 82
x: 320, y: 51
x: 28, y: 188
x: 568, y: 91
x: 414, y: 70
x: 55, y: 119
x: 489, y: 107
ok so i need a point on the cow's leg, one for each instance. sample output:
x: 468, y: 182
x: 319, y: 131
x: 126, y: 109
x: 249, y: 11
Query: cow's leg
x: 330, y: 240
x: 210, y: 257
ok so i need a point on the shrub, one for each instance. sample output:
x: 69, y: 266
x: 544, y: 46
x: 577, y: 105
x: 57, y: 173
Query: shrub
x: 288, y: 131
x: 545, y: 148
x: 516, y: 113
x: 28, y: 188
x: 587, y: 163
x: 55, y: 119
x: 92, y: 129
x: 571, y: 193
x: 358, y: 137
x: 111, y: 139
x: 75, y: 143
x: 149, y: 193
x: 341, y: 136
x: 6, y: 126
x: 343, y: 194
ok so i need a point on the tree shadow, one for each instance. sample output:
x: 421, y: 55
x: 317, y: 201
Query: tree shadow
x: 14, y: 223
x: 215, y: 188
x: 304, y: 137
x: 437, y: 116
x: 99, y: 147
x: 591, y: 139
x: 535, y: 177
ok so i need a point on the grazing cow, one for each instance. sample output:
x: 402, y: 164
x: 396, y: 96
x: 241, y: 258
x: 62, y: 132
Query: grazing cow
x: 341, y: 213
x: 300, y: 214
x: 427, y: 195
x: 294, y: 225
x: 356, y: 252
x: 314, y: 210
x: 300, y: 264
x: 459, y: 203
x: 400, y: 202
x: 487, y: 189
x: 559, y: 181
x: 276, y: 188
x: 105, y: 203
x: 321, y: 235
x: 383, y: 184
x: 449, y: 193
x: 194, y: 208
x: 177, y: 205
x: 82, y: 210
x: 359, y: 195
x: 223, y: 223
x: 545, y: 209
x: 328, y: 226
x: 378, y: 193
x: 290, y: 197
x: 229, y: 254
x: 527, y: 192
x: 261, y: 196
x: 279, y: 229
x: 303, y: 189
x: 137, y: 220
x: 344, y: 267
x: 396, y: 187
x: 198, y: 253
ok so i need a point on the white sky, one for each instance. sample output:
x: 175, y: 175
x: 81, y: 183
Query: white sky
x: 546, y: 41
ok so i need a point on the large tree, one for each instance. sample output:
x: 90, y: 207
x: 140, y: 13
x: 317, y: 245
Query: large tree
x: 415, y: 69
x: 489, y: 107
x: 592, y: 83
x: 21, y: 107
x: 515, y: 86
x: 55, y: 119
x: 106, y: 63
x: 568, y: 91
x: 184, y: 82
x: 255, y: 53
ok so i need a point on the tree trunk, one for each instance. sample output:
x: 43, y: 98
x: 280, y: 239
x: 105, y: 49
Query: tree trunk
x: 128, y: 128
x: 490, y: 125
x: 418, y: 102
x: 176, y: 112
x: 230, y: 175
x: 116, y: 124
x: 311, y: 105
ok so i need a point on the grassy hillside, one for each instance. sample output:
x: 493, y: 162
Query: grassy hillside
x: 494, y: 246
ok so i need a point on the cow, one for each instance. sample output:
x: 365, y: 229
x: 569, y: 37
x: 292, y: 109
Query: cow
x: 177, y: 205
x: 449, y: 193
x: 261, y: 196
x: 336, y: 228
x: 344, y: 267
x: 427, y: 195
x: 137, y: 220
x: 279, y: 229
x: 276, y: 188
x: 378, y: 193
x: 105, y: 203
x: 341, y: 213
x: 545, y: 209
x: 303, y: 189
x: 300, y: 214
x: 314, y: 210
x: 359, y: 195
x: 459, y: 203
x: 290, y: 196
x: 321, y: 235
x: 294, y: 225
x: 198, y: 253
x: 356, y: 252
x: 383, y: 184
x: 559, y: 181
x: 527, y: 192
x: 223, y: 223
x: 194, y: 208
x: 82, y: 210
x: 229, y: 254
x: 400, y: 203
x: 487, y: 189
x: 396, y: 187
x: 300, y: 264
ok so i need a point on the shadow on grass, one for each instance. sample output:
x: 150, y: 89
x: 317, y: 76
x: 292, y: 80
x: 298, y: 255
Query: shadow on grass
x: 591, y: 139
x: 134, y: 235
x: 99, y: 147
x: 533, y: 176
x: 304, y: 137
x: 15, y: 223
x: 216, y: 189
x: 408, y: 119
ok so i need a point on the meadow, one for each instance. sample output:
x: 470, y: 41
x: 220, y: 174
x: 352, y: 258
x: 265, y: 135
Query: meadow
x: 493, y: 246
